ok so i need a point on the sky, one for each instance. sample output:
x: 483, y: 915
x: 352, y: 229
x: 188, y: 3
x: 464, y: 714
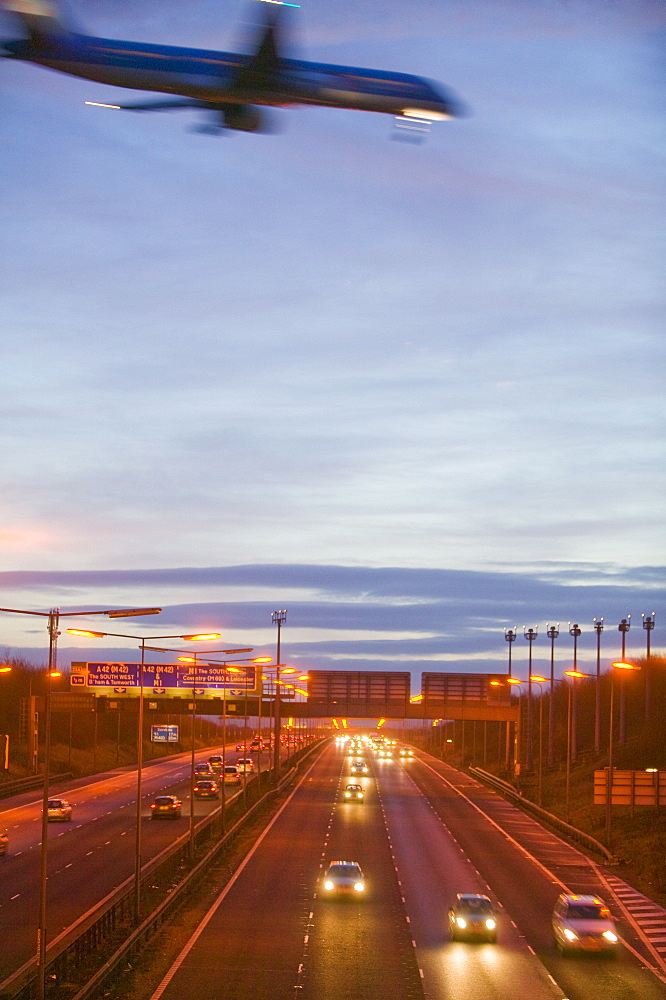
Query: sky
x: 410, y: 392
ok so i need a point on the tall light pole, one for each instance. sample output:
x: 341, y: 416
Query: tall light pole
x: 278, y: 618
x: 648, y: 625
x: 530, y: 634
x: 552, y: 631
x: 54, y: 616
x: 510, y: 637
x: 201, y: 637
x: 574, y: 674
x: 536, y: 679
x: 598, y: 628
x: 609, y: 781
x: 623, y: 628
x: 228, y: 671
x: 574, y: 631
x: 195, y: 660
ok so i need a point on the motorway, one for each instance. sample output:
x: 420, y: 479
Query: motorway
x: 90, y: 856
x: 421, y: 836
x: 424, y: 832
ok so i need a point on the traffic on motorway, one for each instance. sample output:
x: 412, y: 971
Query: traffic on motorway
x: 383, y: 873
x: 415, y: 890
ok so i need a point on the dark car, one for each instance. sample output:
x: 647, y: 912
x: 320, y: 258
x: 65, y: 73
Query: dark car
x: 206, y: 789
x: 204, y: 769
x: 166, y: 807
x: 4, y: 841
x: 472, y: 917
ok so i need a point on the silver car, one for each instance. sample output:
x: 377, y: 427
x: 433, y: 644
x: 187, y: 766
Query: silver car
x: 583, y: 923
x: 343, y: 878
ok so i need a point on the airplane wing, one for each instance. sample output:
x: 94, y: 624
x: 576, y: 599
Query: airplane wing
x: 157, y: 105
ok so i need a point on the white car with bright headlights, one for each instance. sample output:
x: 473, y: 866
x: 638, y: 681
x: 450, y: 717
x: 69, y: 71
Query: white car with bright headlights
x: 472, y: 918
x: 343, y: 878
x: 583, y: 923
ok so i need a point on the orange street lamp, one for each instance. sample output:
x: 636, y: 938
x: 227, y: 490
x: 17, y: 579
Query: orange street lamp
x: 625, y: 668
x: 575, y: 674
x: 200, y: 637
x: 537, y: 679
x: 54, y: 616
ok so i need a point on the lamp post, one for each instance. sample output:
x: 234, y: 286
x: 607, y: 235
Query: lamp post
x: 573, y: 674
x: 278, y: 618
x: 648, y: 625
x: 201, y: 637
x: 574, y: 631
x: 552, y: 631
x: 54, y: 616
x: 510, y: 637
x: 195, y: 660
x: 618, y: 665
x: 536, y: 679
x: 510, y: 681
x: 530, y: 634
x: 623, y: 628
x: 598, y: 628
x: 227, y: 672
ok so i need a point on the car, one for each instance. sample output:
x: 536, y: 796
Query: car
x: 583, y: 923
x: 359, y: 767
x: 58, y: 810
x: 206, y: 789
x: 4, y: 841
x: 472, y: 917
x: 353, y: 793
x: 385, y: 754
x: 216, y: 761
x: 245, y: 765
x: 343, y: 878
x: 242, y: 747
x: 231, y: 775
x: 166, y: 807
x: 204, y: 769
x: 406, y: 752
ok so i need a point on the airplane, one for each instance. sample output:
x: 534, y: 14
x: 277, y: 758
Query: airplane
x: 235, y: 87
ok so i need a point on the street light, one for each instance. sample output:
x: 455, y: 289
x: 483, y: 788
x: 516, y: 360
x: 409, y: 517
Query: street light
x: 530, y: 634
x: 509, y: 682
x: 54, y: 616
x: 575, y: 631
x: 201, y: 637
x: 574, y: 674
x: 598, y: 628
x: 648, y: 625
x: 552, y: 631
x: 278, y: 618
x: 618, y: 665
x: 536, y: 679
x: 623, y: 628
x: 194, y: 659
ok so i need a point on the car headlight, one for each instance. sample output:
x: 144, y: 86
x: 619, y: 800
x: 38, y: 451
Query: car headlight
x: 329, y: 885
x: 358, y: 795
x: 569, y: 935
x: 359, y: 886
x: 347, y: 795
x: 490, y: 924
x: 610, y: 936
x: 462, y: 923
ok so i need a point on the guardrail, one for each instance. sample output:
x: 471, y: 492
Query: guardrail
x: 572, y: 832
x: 82, y: 939
x: 16, y: 785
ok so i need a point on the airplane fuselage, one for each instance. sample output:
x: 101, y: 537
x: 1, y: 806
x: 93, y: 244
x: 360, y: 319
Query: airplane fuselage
x: 220, y: 77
